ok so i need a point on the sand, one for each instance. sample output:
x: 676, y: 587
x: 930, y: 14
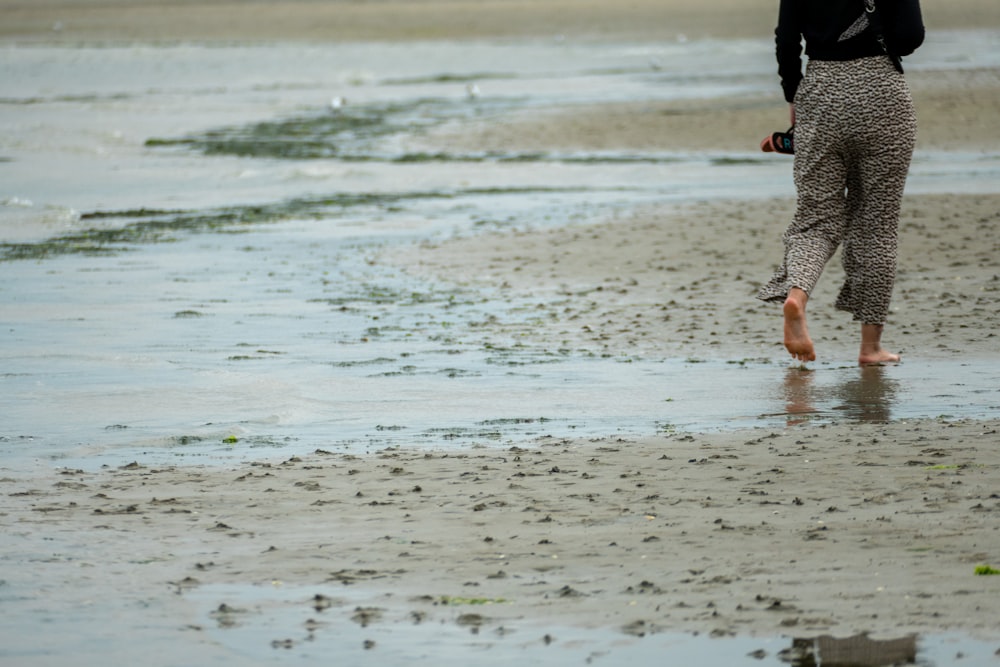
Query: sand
x: 836, y: 530
x: 803, y: 531
x: 680, y: 281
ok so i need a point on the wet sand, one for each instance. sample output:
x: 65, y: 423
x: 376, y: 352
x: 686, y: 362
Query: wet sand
x: 802, y: 532
x: 807, y: 531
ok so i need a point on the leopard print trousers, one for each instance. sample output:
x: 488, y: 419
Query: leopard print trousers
x: 855, y: 132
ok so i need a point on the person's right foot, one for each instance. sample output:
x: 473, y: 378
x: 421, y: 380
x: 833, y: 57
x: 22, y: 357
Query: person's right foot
x: 797, y: 340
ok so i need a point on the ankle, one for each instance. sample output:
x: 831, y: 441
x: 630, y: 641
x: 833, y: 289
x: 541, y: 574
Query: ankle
x: 797, y: 296
x: 871, y: 337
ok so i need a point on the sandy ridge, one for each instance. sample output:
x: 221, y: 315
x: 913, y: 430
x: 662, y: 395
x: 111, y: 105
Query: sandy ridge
x: 673, y: 281
x: 956, y: 110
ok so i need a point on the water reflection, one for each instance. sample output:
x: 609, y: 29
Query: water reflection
x: 866, y: 395
x: 856, y: 651
x: 799, y: 395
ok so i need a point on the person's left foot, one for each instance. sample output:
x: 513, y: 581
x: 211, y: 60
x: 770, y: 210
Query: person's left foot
x: 877, y: 356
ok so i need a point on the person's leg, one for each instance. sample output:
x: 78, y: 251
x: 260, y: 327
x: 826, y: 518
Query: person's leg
x: 820, y: 216
x: 880, y: 160
x: 869, y: 259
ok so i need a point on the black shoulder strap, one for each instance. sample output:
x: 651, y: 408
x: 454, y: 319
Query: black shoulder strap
x: 875, y: 20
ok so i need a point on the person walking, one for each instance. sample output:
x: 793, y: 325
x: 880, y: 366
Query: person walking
x: 854, y: 134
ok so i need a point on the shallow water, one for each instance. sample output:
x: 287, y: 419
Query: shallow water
x: 276, y: 624
x: 186, y: 233
x: 273, y: 625
x: 281, y: 337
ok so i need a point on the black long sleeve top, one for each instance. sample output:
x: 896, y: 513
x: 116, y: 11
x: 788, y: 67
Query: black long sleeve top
x: 831, y: 29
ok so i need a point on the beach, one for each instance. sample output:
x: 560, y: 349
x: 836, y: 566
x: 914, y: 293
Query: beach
x: 557, y: 549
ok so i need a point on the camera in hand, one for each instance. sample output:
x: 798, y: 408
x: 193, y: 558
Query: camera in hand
x: 780, y: 142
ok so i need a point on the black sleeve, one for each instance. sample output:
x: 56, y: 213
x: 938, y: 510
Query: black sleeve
x: 904, y: 27
x: 788, y: 49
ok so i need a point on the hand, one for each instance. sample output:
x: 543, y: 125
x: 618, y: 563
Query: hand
x: 768, y: 144
x: 791, y: 113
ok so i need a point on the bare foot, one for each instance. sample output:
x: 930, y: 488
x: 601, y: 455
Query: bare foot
x: 872, y: 352
x: 872, y: 356
x: 797, y: 340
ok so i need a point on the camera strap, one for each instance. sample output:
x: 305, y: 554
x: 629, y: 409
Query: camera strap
x: 875, y: 21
